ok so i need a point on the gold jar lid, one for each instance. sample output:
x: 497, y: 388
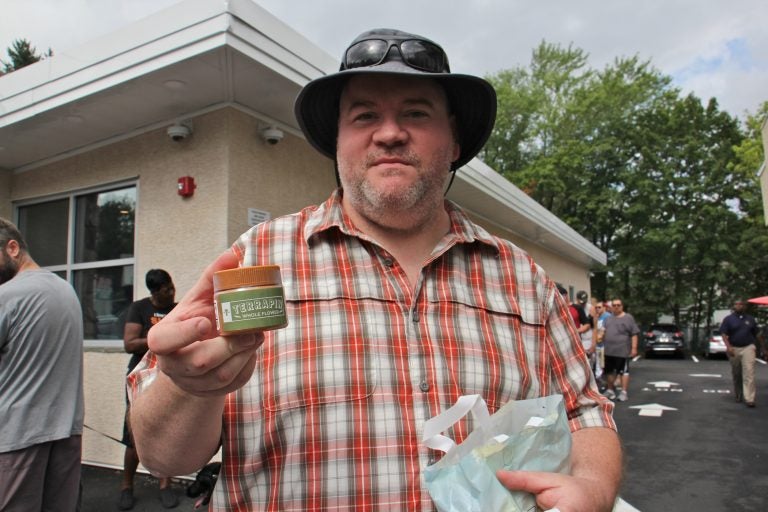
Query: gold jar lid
x: 264, y: 275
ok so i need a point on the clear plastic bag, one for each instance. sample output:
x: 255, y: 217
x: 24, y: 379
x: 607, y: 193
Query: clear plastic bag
x: 531, y: 435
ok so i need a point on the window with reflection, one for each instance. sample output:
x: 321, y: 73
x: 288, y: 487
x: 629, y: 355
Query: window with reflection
x: 45, y: 226
x: 87, y: 239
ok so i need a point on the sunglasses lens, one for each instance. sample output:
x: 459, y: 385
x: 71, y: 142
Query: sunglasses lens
x: 365, y: 53
x: 423, y: 55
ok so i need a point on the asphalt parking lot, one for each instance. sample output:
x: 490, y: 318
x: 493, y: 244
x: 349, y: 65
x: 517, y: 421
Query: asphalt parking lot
x: 688, y: 445
x: 101, y: 491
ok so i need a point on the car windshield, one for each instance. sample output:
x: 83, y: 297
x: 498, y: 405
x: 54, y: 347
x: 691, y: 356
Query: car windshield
x: 670, y: 328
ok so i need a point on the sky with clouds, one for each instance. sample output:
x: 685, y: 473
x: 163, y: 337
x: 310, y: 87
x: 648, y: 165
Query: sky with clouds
x: 713, y: 48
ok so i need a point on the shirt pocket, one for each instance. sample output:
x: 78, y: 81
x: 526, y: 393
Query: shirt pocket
x: 326, y: 354
x: 493, y: 347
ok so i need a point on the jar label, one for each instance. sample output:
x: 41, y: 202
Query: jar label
x: 245, y: 309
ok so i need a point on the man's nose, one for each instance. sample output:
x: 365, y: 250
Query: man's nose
x: 390, y: 132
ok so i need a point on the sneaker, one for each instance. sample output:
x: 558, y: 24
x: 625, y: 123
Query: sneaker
x: 622, y: 396
x: 168, y: 498
x: 609, y: 394
x: 126, y: 499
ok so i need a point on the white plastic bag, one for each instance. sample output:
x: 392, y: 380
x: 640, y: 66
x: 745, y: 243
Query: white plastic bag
x: 530, y: 435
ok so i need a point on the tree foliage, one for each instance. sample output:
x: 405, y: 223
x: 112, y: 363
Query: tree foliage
x: 662, y: 182
x: 22, y: 53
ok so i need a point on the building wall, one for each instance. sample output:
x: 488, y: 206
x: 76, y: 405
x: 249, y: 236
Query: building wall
x: 104, y: 389
x: 279, y: 179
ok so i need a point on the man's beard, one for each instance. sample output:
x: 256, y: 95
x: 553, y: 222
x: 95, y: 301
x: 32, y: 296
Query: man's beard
x: 416, y: 200
x: 8, y: 268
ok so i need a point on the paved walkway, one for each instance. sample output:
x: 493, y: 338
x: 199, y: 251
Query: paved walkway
x: 101, y: 492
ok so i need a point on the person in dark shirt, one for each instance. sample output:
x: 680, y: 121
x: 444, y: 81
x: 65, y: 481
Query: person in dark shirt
x: 739, y: 332
x: 142, y: 315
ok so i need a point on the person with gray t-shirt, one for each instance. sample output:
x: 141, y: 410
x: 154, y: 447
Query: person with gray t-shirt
x: 41, y: 383
x: 620, y: 345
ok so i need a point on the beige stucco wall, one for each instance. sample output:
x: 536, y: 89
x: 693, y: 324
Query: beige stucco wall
x: 233, y: 170
x: 279, y: 179
x: 104, y: 407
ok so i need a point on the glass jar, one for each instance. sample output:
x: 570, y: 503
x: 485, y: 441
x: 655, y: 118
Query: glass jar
x: 249, y: 299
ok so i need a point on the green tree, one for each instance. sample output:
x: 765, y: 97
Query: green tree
x: 568, y: 136
x: 676, y: 242
x: 657, y: 180
x: 22, y: 53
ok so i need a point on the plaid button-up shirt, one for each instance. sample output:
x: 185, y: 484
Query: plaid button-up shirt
x: 333, y: 415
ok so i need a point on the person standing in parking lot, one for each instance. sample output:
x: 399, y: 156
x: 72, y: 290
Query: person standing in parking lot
x: 602, y: 311
x: 142, y: 315
x: 620, y: 345
x: 739, y: 332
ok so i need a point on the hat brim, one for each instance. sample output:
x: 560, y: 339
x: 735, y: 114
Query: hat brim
x: 472, y: 101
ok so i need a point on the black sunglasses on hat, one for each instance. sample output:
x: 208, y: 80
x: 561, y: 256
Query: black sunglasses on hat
x: 417, y: 53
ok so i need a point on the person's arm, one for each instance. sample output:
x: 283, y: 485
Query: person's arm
x: 593, y: 483
x: 633, y: 352
x: 132, y: 340
x: 177, y: 417
x: 586, y: 327
x: 726, y: 339
x: 596, y: 458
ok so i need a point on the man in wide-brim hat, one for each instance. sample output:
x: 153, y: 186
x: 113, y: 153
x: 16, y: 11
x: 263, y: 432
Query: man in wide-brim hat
x: 397, y: 304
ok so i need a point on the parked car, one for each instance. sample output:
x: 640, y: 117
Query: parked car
x: 715, y: 346
x: 664, y: 339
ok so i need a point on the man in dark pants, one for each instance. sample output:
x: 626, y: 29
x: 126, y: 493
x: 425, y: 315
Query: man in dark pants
x: 739, y: 332
x: 142, y: 315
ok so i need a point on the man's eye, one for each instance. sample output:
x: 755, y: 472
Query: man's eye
x: 416, y: 114
x: 364, y: 116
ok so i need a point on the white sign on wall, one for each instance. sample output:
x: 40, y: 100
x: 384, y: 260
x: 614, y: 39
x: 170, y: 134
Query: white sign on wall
x: 257, y: 216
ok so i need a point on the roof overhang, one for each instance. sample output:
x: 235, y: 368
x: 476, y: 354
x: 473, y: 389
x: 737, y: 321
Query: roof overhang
x: 191, y: 57
x: 198, y: 56
x: 484, y: 192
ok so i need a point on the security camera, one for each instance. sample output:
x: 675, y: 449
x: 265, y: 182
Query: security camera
x: 272, y: 135
x: 178, y: 132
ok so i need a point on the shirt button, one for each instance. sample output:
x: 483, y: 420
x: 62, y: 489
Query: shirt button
x: 388, y: 262
x: 424, y: 386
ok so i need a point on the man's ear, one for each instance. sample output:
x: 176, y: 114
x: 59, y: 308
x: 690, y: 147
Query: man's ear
x: 12, y: 249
